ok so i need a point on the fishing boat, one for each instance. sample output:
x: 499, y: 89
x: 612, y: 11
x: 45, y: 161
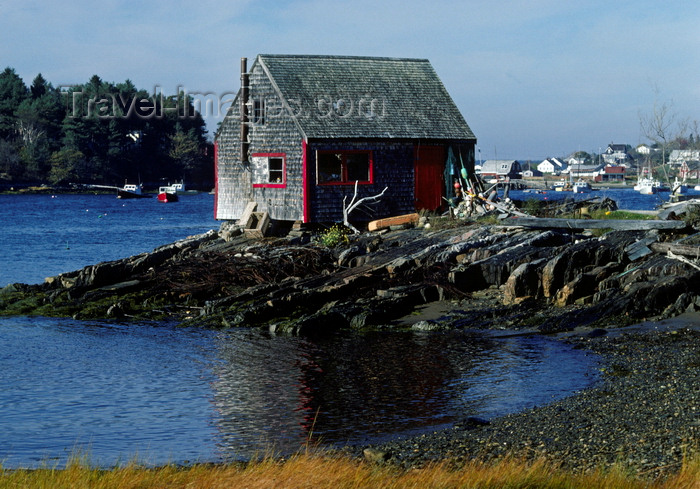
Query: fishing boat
x: 130, y: 191
x: 167, y: 193
x: 679, y: 187
x: 646, y: 186
x: 582, y: 187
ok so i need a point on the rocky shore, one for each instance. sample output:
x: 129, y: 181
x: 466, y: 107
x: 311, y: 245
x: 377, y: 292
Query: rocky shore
x: 643, y: 415
x: 505, y: 275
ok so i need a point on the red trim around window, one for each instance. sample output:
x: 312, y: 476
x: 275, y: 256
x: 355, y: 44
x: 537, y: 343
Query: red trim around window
x: 306, y: 211
x: 345, y: 181
x: 284, y: 170
x: 216, y: 178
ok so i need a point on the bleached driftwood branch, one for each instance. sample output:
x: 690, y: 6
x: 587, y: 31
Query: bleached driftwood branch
x: 353, y: 205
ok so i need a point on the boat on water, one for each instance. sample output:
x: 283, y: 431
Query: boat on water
x: 679, y: 187
x: 562, y: 186
x: 650, y: 186
x: 167, y: 193
x: 646, y: 186
x: 128, y: 191
x: 131, y: 191
x: 582, y: 187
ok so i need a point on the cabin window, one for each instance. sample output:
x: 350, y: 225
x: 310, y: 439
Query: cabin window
x: 259, y: 112
x: 343, y: 167
x: 269, y: 170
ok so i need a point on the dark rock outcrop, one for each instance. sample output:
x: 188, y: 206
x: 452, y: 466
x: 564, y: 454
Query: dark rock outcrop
x: 495, y: 277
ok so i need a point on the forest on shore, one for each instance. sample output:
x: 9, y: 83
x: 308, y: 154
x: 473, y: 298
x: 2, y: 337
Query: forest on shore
x: 99, y: 133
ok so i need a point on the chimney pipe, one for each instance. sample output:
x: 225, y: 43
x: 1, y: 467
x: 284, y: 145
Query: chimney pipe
x: 244, y: 111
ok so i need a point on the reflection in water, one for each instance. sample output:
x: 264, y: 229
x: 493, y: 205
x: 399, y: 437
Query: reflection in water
x: 277, y: 392
x: 169, y: 394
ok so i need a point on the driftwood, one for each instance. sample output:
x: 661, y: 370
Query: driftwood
x: 354, y: 204
x: 616, y: 224
x: 677, y: 249
x: 393, y: 221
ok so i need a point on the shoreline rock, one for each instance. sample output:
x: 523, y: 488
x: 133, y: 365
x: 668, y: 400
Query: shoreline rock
x: 523, y: 281
x: 551, y: 279
x: 643, y: 414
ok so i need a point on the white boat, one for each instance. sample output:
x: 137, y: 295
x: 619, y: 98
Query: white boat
x: 679, y: 187
x: 582, y: 187
x: 646, y: 186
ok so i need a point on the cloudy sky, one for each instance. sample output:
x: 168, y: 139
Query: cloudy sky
x: 533, y: 79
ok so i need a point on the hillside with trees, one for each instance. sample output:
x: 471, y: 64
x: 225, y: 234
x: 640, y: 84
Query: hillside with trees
x: 99, y: 133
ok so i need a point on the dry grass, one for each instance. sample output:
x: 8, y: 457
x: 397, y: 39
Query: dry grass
x: 319, y: 471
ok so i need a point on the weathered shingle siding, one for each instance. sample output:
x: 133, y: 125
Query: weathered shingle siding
x: 278, y: 134
x: 231, y: 182
x: 392, y: 167
x: 385, y: 105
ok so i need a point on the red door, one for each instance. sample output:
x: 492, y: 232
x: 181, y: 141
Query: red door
x: 429, y: 165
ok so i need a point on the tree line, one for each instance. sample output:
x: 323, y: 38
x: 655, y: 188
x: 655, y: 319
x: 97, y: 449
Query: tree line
x: 99, y: 133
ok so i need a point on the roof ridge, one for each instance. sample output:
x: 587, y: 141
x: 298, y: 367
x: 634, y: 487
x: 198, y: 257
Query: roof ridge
x: 343, y: 56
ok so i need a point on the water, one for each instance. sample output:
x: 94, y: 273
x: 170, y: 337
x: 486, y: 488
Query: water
x: 44, y: 235
x: 161, y: 394
x: 626, y: 198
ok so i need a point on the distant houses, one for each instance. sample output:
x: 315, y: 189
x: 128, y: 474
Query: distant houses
x: 680, y: 156
x: 501, y: 170
x: 552, y: 166
x: 611, y: 174
x: 616, y: 154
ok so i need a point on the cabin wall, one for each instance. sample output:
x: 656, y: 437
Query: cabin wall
x: 392, y: 165
x: 276, y: 134
x: 231, y: 182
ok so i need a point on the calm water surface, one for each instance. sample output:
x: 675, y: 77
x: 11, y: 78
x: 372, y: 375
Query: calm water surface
x: 163, y: 394
x: 44, y: 235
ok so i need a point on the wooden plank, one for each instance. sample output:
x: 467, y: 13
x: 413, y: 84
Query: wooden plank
x: 393, y: 221
x: 676, y: 248
x: 616, y: 224
x: 640, y: 248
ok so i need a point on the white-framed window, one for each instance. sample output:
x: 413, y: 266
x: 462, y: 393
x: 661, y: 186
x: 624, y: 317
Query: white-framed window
x: 269, y: 169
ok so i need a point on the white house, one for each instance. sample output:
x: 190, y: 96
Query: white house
x: 585, y: 171
x: 680, y: 156
x: 553, y: 166
x: 643, y: 149
x: 616, y: 154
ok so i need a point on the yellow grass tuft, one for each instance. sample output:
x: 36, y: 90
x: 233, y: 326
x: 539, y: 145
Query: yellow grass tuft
x: 312, y: 470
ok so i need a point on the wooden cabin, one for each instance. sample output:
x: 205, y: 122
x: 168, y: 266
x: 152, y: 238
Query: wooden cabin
x: 303, y: 129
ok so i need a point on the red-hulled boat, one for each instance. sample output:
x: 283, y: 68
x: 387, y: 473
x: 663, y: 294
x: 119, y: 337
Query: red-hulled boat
x: 167, y: 193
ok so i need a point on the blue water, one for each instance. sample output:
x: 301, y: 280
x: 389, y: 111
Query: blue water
x: 44, y: 235
x: 160, y: 394
x: 626, y: 198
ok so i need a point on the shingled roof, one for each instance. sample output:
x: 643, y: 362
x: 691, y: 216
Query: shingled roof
x: 365, y: 97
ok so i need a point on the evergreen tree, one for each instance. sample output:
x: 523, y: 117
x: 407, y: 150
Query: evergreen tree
x: 12, y: 93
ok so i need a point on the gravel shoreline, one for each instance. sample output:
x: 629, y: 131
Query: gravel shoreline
x: 643, y: 413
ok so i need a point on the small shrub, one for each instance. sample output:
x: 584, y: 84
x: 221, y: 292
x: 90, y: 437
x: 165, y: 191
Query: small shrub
x: 336, y: 235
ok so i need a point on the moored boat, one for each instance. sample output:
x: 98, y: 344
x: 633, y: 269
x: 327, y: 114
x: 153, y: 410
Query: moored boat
x: 582, y: 187
x: 679, y: 187
x: 130, y: 191
x: 167, y: 193
x: 646, y: 186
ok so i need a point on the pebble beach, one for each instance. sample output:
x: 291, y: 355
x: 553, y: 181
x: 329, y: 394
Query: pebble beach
x: 643, y: 414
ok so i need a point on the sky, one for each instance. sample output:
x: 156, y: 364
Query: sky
x: 532, y: 79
